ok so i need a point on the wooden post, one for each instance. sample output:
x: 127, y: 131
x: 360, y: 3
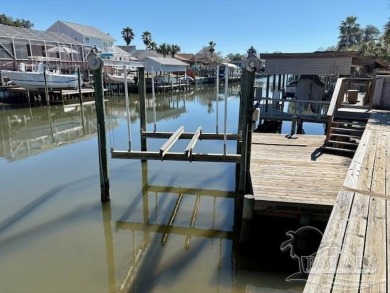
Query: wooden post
x: 245, y: 123
x: 79, y: 85
x: 266, y: 93
x: 142, y: 103
x: 246, y: 221
x: 96, y: 64
x: 46, y: 89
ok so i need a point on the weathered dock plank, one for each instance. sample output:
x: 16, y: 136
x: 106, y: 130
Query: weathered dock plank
x: 325, y: 265
x: 295, y: 170
x: 361, y: 264
x: 351, y: 254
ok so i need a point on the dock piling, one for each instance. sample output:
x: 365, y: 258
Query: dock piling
x: 95, y: 63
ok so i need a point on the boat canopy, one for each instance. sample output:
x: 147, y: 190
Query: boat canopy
x: 166, y: 64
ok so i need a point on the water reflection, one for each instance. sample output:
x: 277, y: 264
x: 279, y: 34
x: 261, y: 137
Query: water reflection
x: 174, y: 222
x: 170, y: 226
x: 28, y: 132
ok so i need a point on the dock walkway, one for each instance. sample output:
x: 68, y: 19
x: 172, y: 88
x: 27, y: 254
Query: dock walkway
x: 294, y: 171
x: 354, y: 252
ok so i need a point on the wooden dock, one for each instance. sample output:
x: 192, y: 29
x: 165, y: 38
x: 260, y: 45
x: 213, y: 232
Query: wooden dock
x: 294, y: 171
x: 354, y: 252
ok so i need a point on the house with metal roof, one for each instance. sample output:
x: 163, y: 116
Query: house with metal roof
x: 164, y: 64
x: 87, y: 35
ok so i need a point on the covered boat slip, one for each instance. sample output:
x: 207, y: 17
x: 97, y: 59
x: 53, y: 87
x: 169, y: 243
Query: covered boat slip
x: 305, y: 102
x: 294, y: 171
x: 353, y: 255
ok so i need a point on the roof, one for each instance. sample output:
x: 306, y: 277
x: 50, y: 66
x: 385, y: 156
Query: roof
x: 30, y: 34
x: 318, y: 54
x: 186, y: 57
x: 328, y: 62
x: 230, y: 65
x: 128, y: 49
x: 88, y: 31
x: 141, y: 55
x: 166, y: 64
x: 119, y: 50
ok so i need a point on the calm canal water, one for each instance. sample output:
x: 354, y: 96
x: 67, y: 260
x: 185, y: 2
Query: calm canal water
x: 56, y: 236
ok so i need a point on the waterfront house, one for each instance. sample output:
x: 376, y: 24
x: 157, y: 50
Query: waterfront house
x: 87, y: 35
x: 21, y: 45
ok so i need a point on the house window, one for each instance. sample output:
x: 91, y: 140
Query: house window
x: 87, y: 40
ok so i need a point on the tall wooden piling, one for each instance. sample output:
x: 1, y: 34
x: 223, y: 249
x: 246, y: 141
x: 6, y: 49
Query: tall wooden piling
x: 79, y: 85
x: 142, y: 104
x: 96, y: 64
x: 245, y: 117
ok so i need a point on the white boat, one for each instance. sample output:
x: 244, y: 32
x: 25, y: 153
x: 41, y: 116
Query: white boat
x: 34, y: 80
x: 120, y: 78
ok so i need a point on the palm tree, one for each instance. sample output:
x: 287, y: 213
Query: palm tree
x: 152, y: 45
x: 350, y: 33
x: 128, y: 35
x: 147, y: 39
x: 175, y: 49
x: 163, y: 49
x: 370, y: 33
x: 212, y: 49
x: 386, y: 33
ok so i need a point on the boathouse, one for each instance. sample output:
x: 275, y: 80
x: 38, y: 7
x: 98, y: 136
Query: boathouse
x: 340, y: 175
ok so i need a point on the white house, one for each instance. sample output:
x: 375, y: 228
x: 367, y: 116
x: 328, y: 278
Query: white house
x: 87, y: 35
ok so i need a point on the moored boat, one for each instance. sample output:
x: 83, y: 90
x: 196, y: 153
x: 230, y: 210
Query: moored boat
x: 121, y: 78
x: 35, y: 79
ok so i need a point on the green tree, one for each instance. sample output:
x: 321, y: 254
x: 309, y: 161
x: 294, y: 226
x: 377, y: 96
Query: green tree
x: 163, y: 49
x: 128, y: 35
x: 174, y: 50
x: 152, y: 45
x: 386, y: 33
x: 211, y: 49
x: 236, y: 57
x: 370, y: 33
x: 6, y: 20
x: 204, y: 55
x: 350, y: 34
x: 147, y: 39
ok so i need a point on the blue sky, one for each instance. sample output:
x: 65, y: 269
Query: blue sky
x: 234, y: 25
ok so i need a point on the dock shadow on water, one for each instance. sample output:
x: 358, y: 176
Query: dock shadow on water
x: 170, y: 226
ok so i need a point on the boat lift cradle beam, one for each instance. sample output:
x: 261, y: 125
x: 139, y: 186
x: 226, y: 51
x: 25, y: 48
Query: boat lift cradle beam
x: 193, y: 142
x: 172, y: 139
x: 176, y: 156
x: 187, y: 155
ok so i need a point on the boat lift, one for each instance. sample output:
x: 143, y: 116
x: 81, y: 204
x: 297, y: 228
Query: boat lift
x: 246, y: 118
x: 164, y: 154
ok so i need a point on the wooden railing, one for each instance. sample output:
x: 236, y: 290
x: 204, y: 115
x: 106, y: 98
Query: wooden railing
x: 341, y: 91
x: 273, y: 108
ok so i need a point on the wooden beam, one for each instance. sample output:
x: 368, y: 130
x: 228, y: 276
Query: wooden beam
x: 193, y: 142
x: 177, y: 230
x: 191, y: 191
x: 169, y: 143
x: 189, y: 135
x: 174, y: 156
